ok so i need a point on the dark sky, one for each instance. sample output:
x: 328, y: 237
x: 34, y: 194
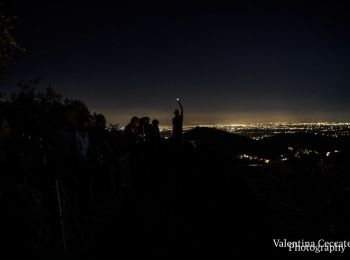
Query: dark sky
x: 245, y: 61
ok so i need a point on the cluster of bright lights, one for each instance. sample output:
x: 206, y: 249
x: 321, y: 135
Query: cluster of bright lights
x: 294, y: 153
x: 303, y: 152
x: 260, y: 131
x: 299, y: 153
x: 254, y: 158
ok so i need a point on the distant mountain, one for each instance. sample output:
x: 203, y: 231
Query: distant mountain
x: 227, y: 143
x: 220, y: 141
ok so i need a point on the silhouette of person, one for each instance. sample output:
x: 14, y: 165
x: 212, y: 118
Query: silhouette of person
x: 101, y: 121
x: 85, y: 123
x: 155, y: 132
x: 85, y: 172
x: 132, y: 138
x: 177, y: 122
x: 63, y: 154
x: 145, y: 128
x: 99, y: 142
x: 101, y: 158
x: 132, y: 132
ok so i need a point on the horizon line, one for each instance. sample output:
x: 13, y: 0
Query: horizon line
x: 258, y: 123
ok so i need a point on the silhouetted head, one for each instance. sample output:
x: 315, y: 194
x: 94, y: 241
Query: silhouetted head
x: 100, y: 121
x: 67, y: 119
x: 177, y: 112
x: 145, y: 120
x: 91, y: 122
x: 135, y: 121
x: 84, y: 122
x: 155, y: 122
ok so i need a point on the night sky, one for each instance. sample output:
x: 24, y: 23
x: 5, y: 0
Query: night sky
x: 240, y: 62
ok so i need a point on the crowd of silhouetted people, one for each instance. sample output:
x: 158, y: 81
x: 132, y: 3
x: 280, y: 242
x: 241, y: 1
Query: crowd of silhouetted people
x: 77, y: 166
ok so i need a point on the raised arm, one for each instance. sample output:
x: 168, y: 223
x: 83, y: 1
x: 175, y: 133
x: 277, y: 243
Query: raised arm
x: 182, y: 109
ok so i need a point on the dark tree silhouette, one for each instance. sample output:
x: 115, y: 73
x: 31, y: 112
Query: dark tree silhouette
x: 34, y: 111
x: 8, y: 44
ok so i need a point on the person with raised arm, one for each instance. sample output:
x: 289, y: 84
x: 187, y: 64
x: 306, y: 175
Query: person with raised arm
x: 178, y: 122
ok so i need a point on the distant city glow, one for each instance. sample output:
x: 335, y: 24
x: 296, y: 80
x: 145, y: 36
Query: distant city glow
x: 259, y: 131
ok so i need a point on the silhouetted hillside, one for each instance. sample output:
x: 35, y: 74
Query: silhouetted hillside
x: 220, y: 141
